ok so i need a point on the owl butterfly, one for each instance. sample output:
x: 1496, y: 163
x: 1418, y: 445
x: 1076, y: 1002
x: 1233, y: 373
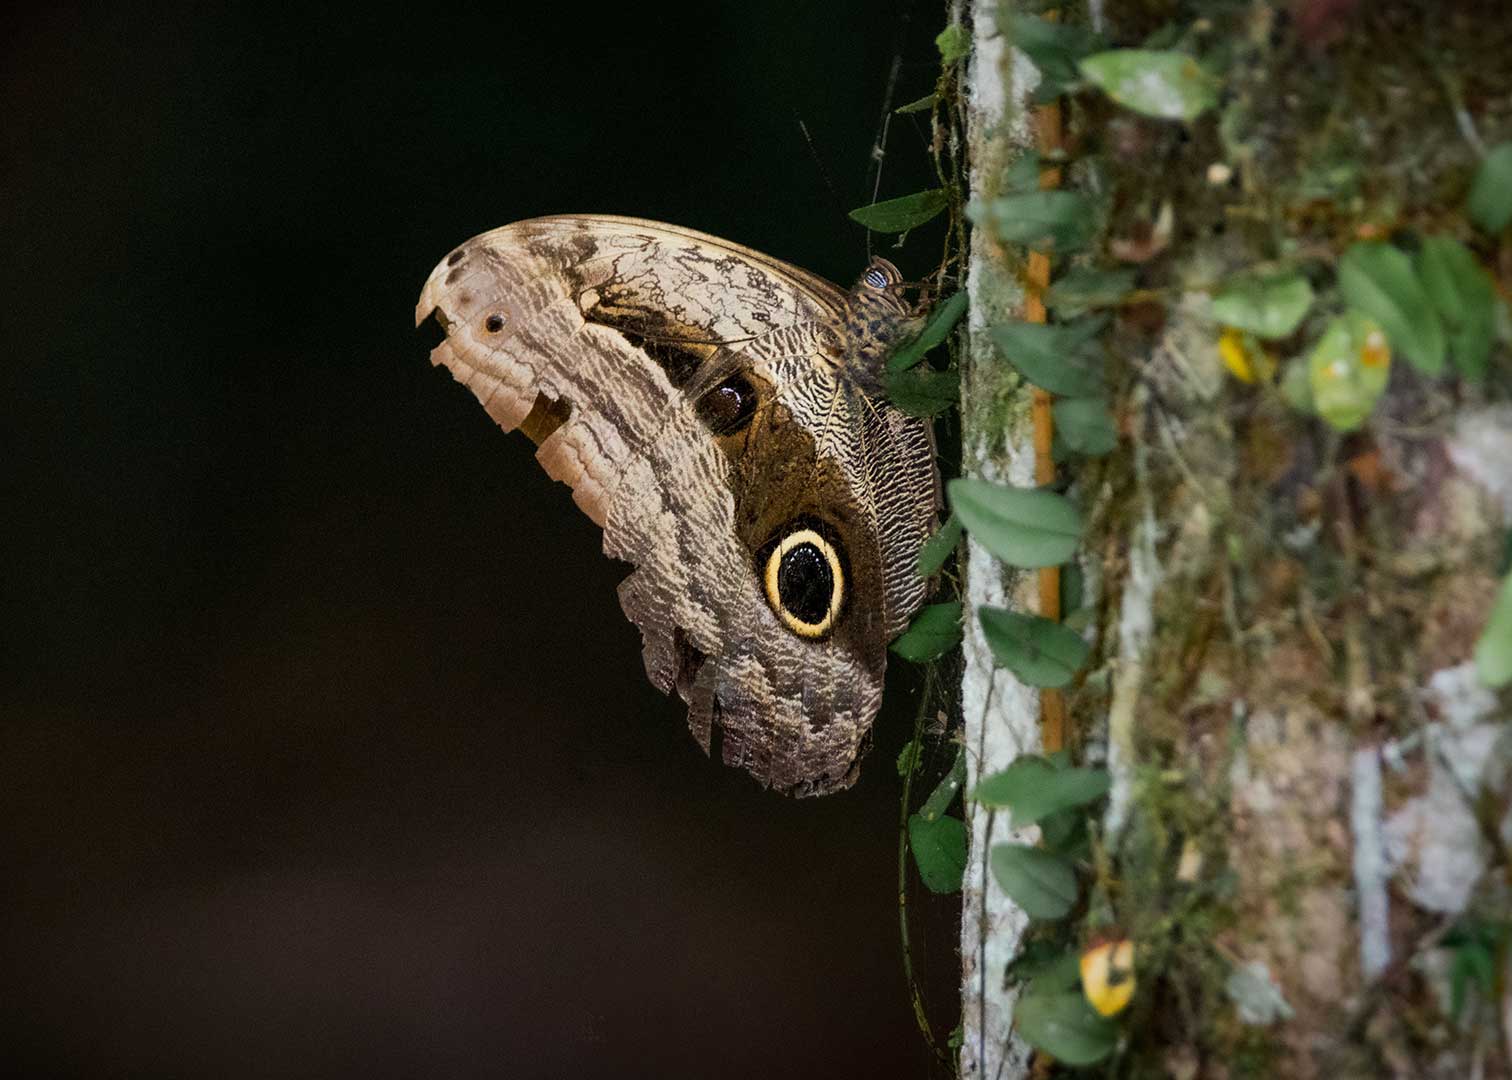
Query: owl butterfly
x: 718, y: 413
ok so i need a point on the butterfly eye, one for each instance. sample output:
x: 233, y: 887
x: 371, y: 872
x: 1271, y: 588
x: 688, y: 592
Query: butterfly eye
x: 805, y: 582
x: 494, y: 323
x: 876, y: 278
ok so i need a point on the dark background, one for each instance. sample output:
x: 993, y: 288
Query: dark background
x: 327, y: 749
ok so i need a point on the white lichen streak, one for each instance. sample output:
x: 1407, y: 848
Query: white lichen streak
x: 1370, y: 872
x: 1001, y: 715
x: 1136, y: 624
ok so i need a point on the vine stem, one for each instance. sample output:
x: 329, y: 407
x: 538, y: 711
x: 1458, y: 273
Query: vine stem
x: 1048, y: 136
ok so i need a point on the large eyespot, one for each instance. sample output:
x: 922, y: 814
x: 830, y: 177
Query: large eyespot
x: 805, y: 582
x: 494, y: 323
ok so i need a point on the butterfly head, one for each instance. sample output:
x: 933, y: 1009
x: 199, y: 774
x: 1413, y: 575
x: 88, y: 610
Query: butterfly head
x: 878, y: 318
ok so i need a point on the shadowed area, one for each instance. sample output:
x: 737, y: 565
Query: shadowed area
x: 328, y: 749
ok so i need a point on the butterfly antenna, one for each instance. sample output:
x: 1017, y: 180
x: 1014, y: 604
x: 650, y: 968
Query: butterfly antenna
x: 824, y: 173
x: 884, y: 125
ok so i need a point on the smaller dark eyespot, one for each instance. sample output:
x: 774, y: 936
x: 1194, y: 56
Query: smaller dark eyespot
x: 454, y: 258
x: 729, y: 406
x: 494, y: 323
x: 876, y: 278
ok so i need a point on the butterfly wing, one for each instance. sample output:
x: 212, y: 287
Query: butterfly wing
x: 684, y: 387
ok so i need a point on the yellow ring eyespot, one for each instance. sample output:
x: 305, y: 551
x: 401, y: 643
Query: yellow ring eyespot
x: 805, y: 582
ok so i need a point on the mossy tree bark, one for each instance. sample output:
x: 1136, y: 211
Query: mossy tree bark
x: 1310, y: 815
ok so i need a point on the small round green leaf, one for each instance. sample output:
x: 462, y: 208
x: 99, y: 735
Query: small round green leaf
x: 941, y: 321
x: 1063, y: 220
x: 1163, y: 84
x: 1084, y: 289
x: 953, y: 42
x: 939, y: 850
x: 1064, y: 360
x: 1378, y: 280
x: 999, y: 789
x: 1024, y: 527
x: 1023, y: 174
x: 1493, y: 652
x: 1038, y: 651
x: 901, y: 214
x: 922, y: 391
x: 1044, y: 885
x: 1055, y: 47
x: 1465, y: 299
x: 947, y: 789
x: 1034, y: 789
x: 1085, y: 425
x: 934, y: 632
x: 939, y: 547
x: 909, y: 758
x: 1490, y: 202
x: 1268, y: 306
x: 1065, y: 1027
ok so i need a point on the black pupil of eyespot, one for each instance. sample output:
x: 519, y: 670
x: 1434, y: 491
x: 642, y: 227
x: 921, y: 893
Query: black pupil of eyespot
x: 805, y: 583
x: 495, y: 323
x: 728, y: 407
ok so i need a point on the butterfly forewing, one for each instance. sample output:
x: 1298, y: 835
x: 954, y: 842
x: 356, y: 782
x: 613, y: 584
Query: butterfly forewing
x: 688, y: 390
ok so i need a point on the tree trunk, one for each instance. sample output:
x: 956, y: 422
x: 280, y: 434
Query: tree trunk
x: 1307, y: 836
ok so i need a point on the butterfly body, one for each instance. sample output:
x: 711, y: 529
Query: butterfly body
x: 717, y: 412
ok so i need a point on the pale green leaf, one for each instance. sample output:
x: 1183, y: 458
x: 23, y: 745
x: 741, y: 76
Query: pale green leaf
x: 1348, y: 370
x: 1493, y: 652
x: 1163, y: 84
x: 1024, y: 527
x: 1038, y: 651
x: 1269, y: 306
